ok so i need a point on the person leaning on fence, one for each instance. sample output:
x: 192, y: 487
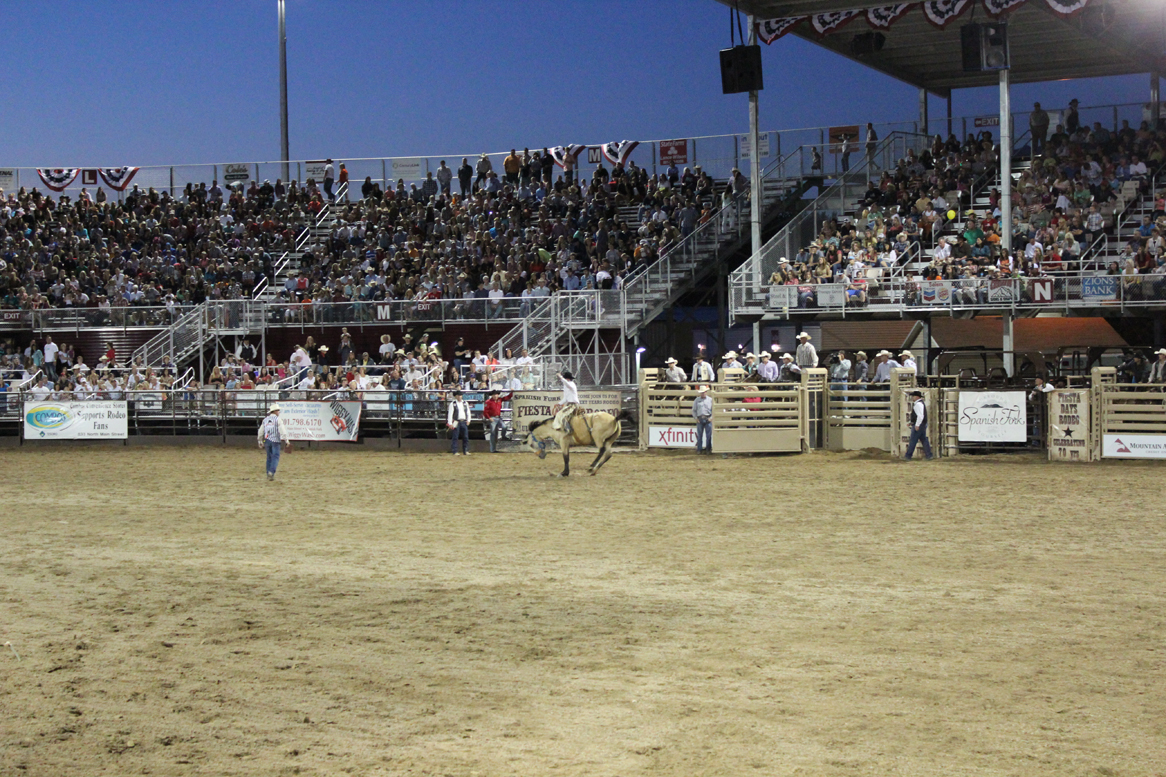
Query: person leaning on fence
x: 1157, y: 372
x: 883, y: 366
x: 673, y: 373
x: 702, y: 411
x: 457, y: 419
x: 492, y: 417
x: 861, y: 367
x: 767, y: 370
x: 807, y: 355
x: 272, y: 436
x: 702, y: 371
x: 789, y: 372
x: 918, y: 426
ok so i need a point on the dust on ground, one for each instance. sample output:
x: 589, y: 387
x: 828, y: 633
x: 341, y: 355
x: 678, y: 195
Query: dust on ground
x: 391, y: 613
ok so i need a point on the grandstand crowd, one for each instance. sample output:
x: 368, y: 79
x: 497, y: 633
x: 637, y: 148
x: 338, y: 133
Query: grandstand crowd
x: 920, y: 212
x: 524, y: 234
x: 47, y: 370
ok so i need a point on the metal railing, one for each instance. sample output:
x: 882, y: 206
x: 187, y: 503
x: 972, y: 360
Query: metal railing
x: 747, y: 283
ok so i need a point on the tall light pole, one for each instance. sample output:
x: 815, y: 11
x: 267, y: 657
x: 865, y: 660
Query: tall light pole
x: 283, y: 95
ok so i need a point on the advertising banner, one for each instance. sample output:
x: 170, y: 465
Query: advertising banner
x: 321, y: 421
x: 782, y: 297
x: 831, y: 295
x: 410, y: 168
x: 936, y: 292
x: 1099, y: 289
x: 8, y: 180
x: 1133, y: 446
x: 314, y: 170
x: 236, y: 173
x: 673, y: 152
x: 671, y: 436
x: 1069, y: 425
x: 95, y: 420
x: 992, y: 416
x: 1001, y: 291
x: 536, y: 406
x: 762, y: 145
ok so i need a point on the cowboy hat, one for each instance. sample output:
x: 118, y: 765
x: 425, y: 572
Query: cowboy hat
x: 803, y: 334
x: 882, y: 353
x: 323, y: 349
x: 764, y: 354
x: 860, y: 354
x: 786, y: 356
x: 702, y: 389
x: 916, y: 394
x: 730, y: 355
x: 273, y: 409
x: 1160, y: 352
x: 670, y: 360
x: 907, y: 353
x: 750, y: 355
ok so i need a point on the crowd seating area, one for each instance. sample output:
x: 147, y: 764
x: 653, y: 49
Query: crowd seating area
x: 937, y: 215
x: 521, y: 236
x: 311, y: 367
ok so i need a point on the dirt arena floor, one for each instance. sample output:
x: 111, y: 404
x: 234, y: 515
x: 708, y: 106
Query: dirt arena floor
x: 387, y: 613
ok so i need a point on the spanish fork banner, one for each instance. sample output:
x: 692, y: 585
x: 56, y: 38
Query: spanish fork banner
x: 536, y: 406
x: 321, y: 421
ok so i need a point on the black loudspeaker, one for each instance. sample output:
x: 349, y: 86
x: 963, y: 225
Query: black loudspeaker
x: 867, y: 43
x: 984, y: 46
x: 741, y: 69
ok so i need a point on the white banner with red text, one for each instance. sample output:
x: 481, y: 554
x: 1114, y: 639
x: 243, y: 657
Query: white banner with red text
x: 321, y: 421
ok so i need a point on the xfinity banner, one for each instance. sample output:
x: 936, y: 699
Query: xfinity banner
x: 992, y: 416
x: 95, y: 420
x: 672, y: 437
x: 321, y: 421
x: 534, y: 406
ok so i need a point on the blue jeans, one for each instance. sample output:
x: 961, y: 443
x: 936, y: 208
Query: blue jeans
x: 704, y: 431
x: 495, y: 431
x: 918, y: 436
x: 272, y: 455
x: 462, y: 431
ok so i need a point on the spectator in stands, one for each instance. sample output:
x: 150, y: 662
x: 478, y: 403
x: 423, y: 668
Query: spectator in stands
x: 465, y: 175
x: 329, y: 179
x: 1038, y: 127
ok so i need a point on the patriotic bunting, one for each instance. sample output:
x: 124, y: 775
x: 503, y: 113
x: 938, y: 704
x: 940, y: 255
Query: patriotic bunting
x: 59, y: 178
x: 1066, y: 7
x: 829, y: 22
x: 618, y: 153
x: 770, y: 30
x: 117, y: 177
x: 882, y: 18
x: 941, y: 12
x: 995, y: 8
x: 560, y: 153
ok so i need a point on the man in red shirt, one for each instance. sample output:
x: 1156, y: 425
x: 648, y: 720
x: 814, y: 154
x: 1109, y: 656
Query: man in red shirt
x: 492, y: 417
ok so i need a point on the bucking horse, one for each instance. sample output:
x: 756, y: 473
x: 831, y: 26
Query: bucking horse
x: 600, y: 429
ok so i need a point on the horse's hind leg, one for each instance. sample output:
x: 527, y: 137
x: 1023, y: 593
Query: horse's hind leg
x: 595, y: 464
x: 608, y: 450
x: 566, y: 461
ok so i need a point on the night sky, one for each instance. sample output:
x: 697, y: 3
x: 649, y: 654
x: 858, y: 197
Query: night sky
x: 173, y: 82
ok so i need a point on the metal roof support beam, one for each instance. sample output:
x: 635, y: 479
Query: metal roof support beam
x: 754, y: 158
x: 1154, y: 98
x: 1005, y: 163
x: 923, y: 126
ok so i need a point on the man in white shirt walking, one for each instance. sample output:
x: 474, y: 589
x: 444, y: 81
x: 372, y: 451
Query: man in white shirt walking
x: 457, y: 419
x: 272, y: 436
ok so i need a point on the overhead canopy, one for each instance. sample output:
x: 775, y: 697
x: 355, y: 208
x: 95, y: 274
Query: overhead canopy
x: 1105, y: 38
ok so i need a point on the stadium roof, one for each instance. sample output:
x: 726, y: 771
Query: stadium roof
x: 1105, y: 38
